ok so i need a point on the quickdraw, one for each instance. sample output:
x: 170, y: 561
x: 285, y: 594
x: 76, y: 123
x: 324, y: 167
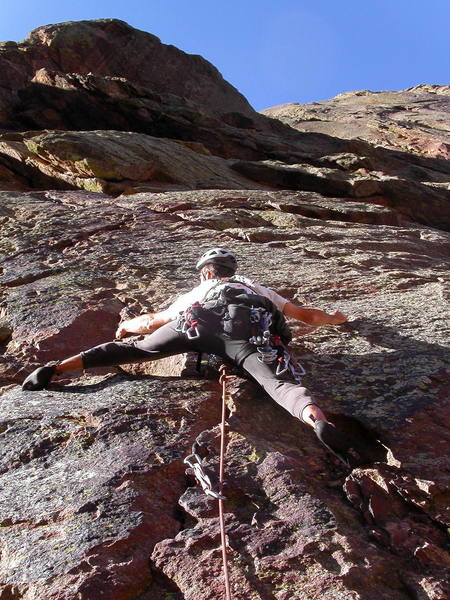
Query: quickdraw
x: 195, y: 463
x: 287, y: 363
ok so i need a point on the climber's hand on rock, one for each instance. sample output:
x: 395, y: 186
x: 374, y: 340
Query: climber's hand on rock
x: 121, y: 331
x: 338, y: 318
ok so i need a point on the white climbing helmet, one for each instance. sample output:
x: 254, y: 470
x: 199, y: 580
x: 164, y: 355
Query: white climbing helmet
x: 218, y: 256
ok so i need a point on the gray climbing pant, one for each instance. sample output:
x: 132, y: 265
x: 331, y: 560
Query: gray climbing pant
x: 166, y: 341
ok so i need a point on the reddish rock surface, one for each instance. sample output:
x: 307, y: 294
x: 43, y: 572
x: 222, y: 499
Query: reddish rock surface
x: 96, y: 501
x: 413, y: 120
x: 93, y: 468
x: 108, y: 47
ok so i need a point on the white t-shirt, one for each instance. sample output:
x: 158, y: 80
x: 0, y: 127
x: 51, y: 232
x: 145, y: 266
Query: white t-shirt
x: 199, y: 293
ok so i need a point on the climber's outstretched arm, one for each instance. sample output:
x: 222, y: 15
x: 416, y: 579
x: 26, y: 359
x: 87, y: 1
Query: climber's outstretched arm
x: 146, y: 323
x: 313, y: 316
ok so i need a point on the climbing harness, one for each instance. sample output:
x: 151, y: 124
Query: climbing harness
x: 271, y: 349
x: 189, y: 320
x: 263, y: 326
x: 195, y: 462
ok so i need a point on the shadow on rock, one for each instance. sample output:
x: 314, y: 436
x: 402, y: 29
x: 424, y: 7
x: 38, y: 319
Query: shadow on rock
x: 108, y: 382
x: 381, y: 388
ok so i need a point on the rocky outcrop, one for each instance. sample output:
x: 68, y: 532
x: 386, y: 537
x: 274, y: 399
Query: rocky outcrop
x: 103, y: 212
x: 111, y: 48
x: 124, y: 162
x: 413, y: 120
x: 115, y: 162
x: 63, y: 109
x: 74, y: 101
x: 415, y: 201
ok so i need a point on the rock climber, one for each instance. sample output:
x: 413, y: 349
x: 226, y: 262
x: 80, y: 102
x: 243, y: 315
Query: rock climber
x: 228, y: 316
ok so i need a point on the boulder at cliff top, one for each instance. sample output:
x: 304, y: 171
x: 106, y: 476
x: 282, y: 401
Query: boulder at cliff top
x: 110, y: 47
x: 56, y: 80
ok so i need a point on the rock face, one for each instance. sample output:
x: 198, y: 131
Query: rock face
x: 413, y: 120
x: 106, y: 76
x: 97, y: 221
x: 116, y: 161
x: 111, y: 48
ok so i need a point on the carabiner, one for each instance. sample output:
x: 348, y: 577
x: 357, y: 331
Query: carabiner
x: 194, y: 335
x: 280, y: 370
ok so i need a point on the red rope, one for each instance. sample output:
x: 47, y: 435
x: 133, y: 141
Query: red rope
x: 223, y: 380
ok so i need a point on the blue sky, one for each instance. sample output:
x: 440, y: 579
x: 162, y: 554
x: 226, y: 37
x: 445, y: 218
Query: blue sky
x: 277, y: 51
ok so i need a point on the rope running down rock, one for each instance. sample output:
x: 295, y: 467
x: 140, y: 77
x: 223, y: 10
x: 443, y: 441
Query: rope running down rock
x: 224, y: 376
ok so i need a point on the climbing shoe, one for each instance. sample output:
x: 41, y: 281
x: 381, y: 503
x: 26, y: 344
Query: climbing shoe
x: 40, y: 378
x: 346, y: 449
